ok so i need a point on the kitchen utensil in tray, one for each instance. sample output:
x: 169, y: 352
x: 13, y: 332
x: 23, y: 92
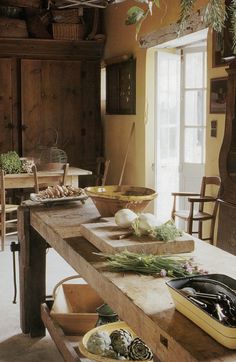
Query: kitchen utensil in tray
x: 210, y: 302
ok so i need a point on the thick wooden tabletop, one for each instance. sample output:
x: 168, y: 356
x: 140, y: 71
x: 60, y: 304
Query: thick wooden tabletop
x: 25, y: 180
x: 143, y: 302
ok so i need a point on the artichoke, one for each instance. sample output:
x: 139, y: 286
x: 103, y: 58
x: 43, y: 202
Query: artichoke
x: 138, y: 350
x: 120, y: 340
x: 110, y: 353
x: 99, y: 343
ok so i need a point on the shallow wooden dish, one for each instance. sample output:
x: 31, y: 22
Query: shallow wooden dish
x: 109, y: 199
x: 110, y: 327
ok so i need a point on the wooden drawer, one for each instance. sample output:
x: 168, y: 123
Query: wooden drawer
x: 66, y: 344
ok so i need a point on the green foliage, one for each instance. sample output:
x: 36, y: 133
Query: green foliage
x: 166, y: 232
x: 215, y: 14
x: 186, y: 7
x: 10, y: 162
x: 134, y: 15
x: 232, y: 15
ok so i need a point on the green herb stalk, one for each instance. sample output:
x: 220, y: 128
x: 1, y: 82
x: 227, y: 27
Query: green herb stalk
x: 157, y: 265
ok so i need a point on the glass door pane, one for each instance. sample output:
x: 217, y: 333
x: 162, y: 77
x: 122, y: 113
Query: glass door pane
x: 167, y: 136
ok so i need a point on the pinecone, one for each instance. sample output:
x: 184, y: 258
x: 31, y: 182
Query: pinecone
x: 138, y: 350
x: 120, y: 340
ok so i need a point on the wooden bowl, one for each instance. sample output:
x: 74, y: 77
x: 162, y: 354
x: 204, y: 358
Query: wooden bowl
x: 109, y: 199
x: 109, y: 328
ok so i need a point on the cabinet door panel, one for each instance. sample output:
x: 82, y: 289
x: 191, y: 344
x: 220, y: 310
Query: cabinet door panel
x: 8, y: 87
x: 91, y: 140
x: 51, y: 100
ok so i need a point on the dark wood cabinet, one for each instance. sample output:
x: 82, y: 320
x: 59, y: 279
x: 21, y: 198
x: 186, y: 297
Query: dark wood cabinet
x: 226, y: 238
x: 8, y: 105
x: 51, y: 85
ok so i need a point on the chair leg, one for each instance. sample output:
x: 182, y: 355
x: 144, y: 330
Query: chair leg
x: 190, y: 226
x: 211, y: 238
x: 3, y: 233
x: 200, y: 230
x: 3, y: 242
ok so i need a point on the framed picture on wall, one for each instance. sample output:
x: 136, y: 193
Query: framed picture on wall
x: 121, y: 87
x: 218, y: 92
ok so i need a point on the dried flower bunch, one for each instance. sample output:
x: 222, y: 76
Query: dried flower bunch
x: 156, y: 265
x: 215, y: 16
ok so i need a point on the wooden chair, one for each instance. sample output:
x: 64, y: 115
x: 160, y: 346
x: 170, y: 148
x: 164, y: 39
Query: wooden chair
x: 200, y: 215
x: 6, y: 211
x: 38, y: 186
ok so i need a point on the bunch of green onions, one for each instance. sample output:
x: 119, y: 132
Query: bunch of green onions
x: 156, y: 265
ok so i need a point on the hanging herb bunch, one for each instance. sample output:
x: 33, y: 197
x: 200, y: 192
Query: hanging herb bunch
x: 216, y: 14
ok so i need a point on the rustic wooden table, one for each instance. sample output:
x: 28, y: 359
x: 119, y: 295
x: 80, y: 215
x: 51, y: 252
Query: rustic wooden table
x: 142, y: 301
x: 25, y: 180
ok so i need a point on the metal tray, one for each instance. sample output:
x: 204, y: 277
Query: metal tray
x: 225, y: 335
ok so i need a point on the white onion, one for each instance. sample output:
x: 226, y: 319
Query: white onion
x: 146, y: 222
x: 125, y: 217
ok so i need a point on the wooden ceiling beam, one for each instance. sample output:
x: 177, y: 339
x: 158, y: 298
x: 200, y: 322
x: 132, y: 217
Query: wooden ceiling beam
x: 22, y: 3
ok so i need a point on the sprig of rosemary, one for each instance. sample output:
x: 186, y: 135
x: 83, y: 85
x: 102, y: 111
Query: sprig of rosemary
x: 156, y: 265
x: 215, y: 14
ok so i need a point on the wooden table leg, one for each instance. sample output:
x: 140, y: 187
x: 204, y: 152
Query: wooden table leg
x: 32, y: 271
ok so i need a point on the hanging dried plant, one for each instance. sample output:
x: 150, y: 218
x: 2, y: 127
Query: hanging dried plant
x: 232, y: 15
x: 215, y: 16
x: 186, y: 7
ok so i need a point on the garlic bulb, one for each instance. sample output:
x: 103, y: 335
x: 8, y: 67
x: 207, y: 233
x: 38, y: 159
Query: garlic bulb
x: 146, y: 222
x: 125, y: 217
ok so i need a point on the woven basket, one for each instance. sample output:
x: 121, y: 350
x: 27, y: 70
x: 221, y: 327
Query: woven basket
x: 63, y: 31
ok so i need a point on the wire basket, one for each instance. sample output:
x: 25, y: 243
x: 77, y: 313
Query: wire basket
x: 51, y: 157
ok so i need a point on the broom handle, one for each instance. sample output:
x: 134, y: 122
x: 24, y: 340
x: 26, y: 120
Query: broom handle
x: 126, y: 155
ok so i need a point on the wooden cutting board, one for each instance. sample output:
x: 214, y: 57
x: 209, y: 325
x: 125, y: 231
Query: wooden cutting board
x: 105, y: 236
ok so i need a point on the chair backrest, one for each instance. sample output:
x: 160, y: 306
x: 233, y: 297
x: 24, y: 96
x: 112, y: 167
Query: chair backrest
x: 38, y: 186
x: 2, y: 193
x: 102, y: 171
x: 210, y: 187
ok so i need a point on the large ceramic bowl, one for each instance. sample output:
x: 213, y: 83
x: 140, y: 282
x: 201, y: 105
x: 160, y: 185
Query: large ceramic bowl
x: 109, y: 199
x: 109, y: 328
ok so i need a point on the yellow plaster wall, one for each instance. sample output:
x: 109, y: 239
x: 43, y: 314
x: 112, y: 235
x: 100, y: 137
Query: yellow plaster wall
x: 213, y: 144
x: 121, y: 40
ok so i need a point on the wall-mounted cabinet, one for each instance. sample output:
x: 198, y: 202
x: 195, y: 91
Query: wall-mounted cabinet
x: 51, y: 85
